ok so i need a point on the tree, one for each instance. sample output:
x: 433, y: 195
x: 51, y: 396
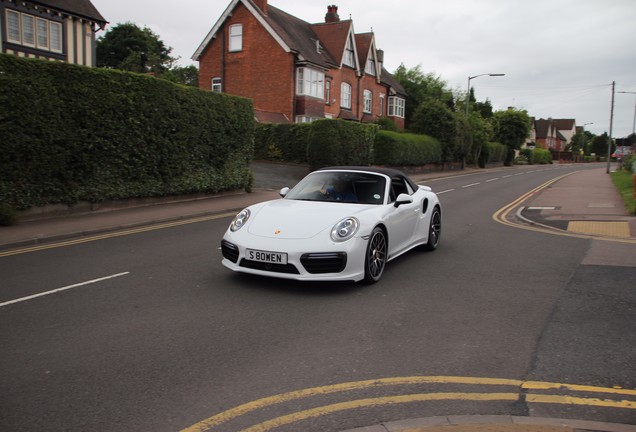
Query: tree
x: 432, y: 117
x: 419, y: 87
x: 598, y: 146
x: 130, y: 48
x: 187, y: 75
x: 511, y: 128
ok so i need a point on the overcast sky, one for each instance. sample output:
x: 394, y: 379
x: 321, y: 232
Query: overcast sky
x: 559, y: 56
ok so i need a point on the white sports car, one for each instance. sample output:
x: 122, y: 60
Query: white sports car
x: 336, y: 224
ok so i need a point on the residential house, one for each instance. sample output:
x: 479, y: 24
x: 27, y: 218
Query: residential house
x: 295, y: 71
x: 61, y: 30
x: 554, y: 135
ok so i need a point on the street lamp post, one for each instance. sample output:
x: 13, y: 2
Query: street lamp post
x: 468, y: 90
x: 468, y: 100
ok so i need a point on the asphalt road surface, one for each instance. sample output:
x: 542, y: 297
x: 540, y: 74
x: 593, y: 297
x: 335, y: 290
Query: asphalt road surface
x: 149, y: 332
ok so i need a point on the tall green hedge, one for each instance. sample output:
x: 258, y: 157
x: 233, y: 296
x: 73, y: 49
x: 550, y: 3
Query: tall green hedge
x: 340, y: 142
x: 405, y: 149
x: 70, y: 133
x: 284, y: 142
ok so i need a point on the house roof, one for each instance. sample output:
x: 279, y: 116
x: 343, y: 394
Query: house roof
x: 334, y: 36
x: 565, y: 124
x: 543, y: 128
x: 81, y: 8
x: 364, y: 41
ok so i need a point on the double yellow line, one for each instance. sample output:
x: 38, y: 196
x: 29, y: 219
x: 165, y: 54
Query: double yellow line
x: 113, y: 234
x: 522, y: 390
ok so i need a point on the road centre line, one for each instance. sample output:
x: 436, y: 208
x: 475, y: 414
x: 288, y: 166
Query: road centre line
x: 492, y: 179
x: 520, y: 387
x: 63, y: 289
x: 446, y: 191
x: 506, y: 176
x: 470, y: 185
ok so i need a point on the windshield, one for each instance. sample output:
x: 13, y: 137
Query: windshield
x: 338, y: 186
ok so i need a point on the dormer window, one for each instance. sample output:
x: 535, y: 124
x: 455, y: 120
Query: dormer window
x: 236, y: 37
x: 370, y: 68
x: 349, y: 54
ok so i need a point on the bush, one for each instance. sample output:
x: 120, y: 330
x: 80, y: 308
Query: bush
x: 70, y: 133
x: 282, y: 142
x: 8, y: 215
x: 339, y: 142
x: 492, y: 152
x: 405, y: 149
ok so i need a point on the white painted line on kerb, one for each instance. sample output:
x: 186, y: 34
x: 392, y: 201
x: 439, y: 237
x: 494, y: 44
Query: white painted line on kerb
x: 492, y: 179
x: 63, y: 289
x: 470, y: 185
x: 443, y: 192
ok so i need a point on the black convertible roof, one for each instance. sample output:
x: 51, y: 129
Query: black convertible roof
x: 390, y: 172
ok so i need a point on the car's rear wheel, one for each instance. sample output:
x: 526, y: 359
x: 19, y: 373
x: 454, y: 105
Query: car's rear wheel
x: 375, y: 258
x: 434, y: 230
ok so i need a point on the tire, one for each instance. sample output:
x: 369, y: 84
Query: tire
x: 375, y: 257
x: 434, y: 230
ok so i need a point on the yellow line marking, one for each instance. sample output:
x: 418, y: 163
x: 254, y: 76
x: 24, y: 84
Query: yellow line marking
x: 502, y: 214
x: 240, y: 410
x: 569, y: 400
x: 121, y: 233
x: 388, y: 400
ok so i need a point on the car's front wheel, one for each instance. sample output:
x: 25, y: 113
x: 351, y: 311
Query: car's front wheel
x: 375, y: 258
x: 434, y: 230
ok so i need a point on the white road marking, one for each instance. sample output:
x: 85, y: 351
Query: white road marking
x: 442, y: 192
x: 492, y: 179
x: 506, y: 176
x: 470, y: 185
x: 62, y: 289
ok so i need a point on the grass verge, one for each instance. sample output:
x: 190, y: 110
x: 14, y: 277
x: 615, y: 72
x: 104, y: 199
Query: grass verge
x: 624, y: 182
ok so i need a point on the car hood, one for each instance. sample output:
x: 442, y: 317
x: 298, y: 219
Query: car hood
x: 291, y: 219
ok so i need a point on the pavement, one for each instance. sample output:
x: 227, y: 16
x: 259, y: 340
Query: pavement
x: 582, y: 203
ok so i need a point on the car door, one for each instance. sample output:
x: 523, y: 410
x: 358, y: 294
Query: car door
x: 402, y: 220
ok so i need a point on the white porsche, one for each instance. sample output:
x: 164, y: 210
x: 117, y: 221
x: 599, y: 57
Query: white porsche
x: 336, y: 224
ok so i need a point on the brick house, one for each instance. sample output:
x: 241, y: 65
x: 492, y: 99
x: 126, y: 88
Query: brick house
x: 295, y: 71
x: 554, y: 135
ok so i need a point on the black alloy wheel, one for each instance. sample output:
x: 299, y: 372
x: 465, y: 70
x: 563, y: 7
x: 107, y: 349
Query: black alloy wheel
x: 434, y: 230
x: 376, y: 256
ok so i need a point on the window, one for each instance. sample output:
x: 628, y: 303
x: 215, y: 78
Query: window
x: 345, y: 95
x: 56, y: 36
x: 310, y: 82
x: 370, y: 68
x: 236, y: 37
x: 368, y: 101
x: 14, y: 34
x: 396, y: 106
x: 43, y: 33
x: 27, y: 30
x: 217, y: 85
x: 349, y: 55
x: 328, y: 92
x: 382, y: 104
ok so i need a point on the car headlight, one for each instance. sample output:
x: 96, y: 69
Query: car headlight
x: 239, y: 220
x: 345, y: 229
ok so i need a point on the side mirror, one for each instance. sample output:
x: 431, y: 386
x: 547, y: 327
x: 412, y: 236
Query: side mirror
x: 283, y: 192
x: 403, y: 199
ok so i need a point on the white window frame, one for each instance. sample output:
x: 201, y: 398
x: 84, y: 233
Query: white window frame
x: 368, y: 101
x: 14, y: 28
x: 217, y: 85
x: 327, y: 92
x: 57, y: 38
x: 29, y: 34
x: 310, y: 82
x: 236, y: 38
x: 396, y: 106
x: 345, y: 95
x: 370, y: 67
x: 349, y: 54
x: 42, y: 35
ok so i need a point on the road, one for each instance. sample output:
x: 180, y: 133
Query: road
x: 150, y: 332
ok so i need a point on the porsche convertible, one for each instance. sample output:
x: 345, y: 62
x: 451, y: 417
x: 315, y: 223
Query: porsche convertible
x: 336, y: 224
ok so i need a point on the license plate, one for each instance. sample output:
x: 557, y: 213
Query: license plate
x: 266, y: 257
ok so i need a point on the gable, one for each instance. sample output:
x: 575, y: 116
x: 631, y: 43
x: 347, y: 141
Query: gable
x: 80, y: 8
x: 228, y: 13
x: 334, y: 36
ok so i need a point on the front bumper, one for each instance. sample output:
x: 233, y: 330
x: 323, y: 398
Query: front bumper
x: 305, y: 260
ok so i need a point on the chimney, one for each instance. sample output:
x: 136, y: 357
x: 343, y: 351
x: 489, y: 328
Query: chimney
x: 262, y: 5
x: 332, y: 14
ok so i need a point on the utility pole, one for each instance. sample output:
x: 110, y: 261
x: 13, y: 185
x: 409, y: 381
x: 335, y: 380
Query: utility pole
x: 609, y: 139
